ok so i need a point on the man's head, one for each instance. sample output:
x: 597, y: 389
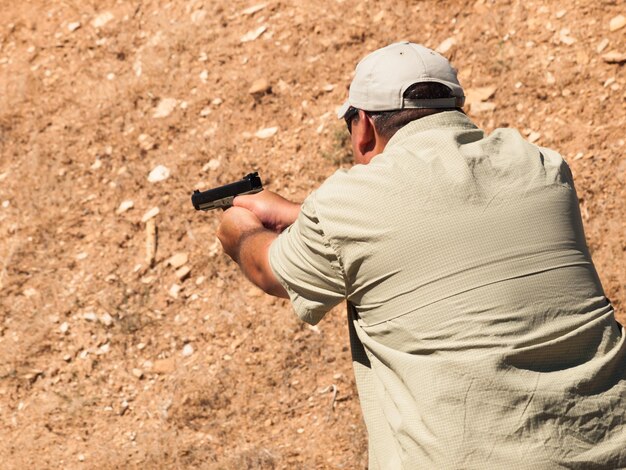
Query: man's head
x: 392, y: 87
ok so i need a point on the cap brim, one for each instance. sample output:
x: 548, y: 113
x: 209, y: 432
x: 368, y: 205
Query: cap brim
x: 341, y: 112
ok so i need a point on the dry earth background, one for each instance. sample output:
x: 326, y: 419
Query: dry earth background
x: 111, y: 361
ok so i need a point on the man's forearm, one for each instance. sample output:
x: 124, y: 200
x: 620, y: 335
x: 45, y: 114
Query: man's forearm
x: 253, y: 258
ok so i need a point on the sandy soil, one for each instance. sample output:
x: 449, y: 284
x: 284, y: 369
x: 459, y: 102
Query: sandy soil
x: 111, y: 359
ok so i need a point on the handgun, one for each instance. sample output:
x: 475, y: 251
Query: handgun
x: 222, y: 197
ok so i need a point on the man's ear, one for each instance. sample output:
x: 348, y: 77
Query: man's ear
x: 365, y: 138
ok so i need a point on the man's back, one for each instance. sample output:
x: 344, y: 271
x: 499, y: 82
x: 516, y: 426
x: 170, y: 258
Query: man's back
x: 481, y: 333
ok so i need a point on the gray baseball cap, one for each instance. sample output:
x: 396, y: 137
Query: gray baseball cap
x: 383, y: 76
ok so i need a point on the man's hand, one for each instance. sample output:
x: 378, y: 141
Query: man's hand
x: 275, y: 212
x: 247, y: 242
x: 237, y: 224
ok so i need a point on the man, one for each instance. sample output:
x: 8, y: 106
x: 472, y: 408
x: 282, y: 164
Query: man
x: 480, y: 333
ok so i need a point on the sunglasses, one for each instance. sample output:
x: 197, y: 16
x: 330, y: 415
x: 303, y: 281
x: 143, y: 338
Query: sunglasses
x: 351, y: 113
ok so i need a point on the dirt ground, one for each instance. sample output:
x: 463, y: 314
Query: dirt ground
x: 117, y: 356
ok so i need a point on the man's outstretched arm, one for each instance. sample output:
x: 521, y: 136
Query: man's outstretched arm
x: 249, y: 228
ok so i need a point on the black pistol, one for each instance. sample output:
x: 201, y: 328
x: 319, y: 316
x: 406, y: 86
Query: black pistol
x: 222, y: 197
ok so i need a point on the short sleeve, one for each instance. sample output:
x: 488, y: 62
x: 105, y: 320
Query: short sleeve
x: 306, y: 265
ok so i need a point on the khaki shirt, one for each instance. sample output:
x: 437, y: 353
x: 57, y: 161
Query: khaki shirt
x: 480, y: 333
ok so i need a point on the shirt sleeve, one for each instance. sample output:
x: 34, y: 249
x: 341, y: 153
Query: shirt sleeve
x: 306, y: 265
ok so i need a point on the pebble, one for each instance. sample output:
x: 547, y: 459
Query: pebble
x: 550, y: 80
x: 159, y: 173
x: 183, y: 273
x: 534, y: 137
x: 187, y: 350
x: 90, y: 316
x: 481, y: 107
x: 445, y: 45
x: 106, y: 319
x: 266, y: 133
x: 146, y: 142
x: 618, y: 22
x: 125, y: 206
x: 254, y: 34
x: 174, y: 291
x: 204, y: 76
x: 560, y: 14
x: 602, y: 45
x: 205, y: 111
x: 200, y: 280
x: 64, y: 328
x: 138, y: 373
x: 164, y: 366
x: 177, y: 260
x: 212, y: 165
x: 6, y: 203
x: 165, y: 108
x: 67, y: 358
x: 217, y: 101
x: 614, y: 57
x: 150, y: 214
x: 102, y: 19
x: 253, y: 9
x: 198, y: 16
x: 81, y: 458
x: 474, y: 95
x: 73, y: 26
x: 260, y: 87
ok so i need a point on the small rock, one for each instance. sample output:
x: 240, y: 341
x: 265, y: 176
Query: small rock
x: 560, y: 14
x: 253, y: 9
x: 97, y: 164
x: 198, y: 16
x: 217, y: 101
x: 328, y: 88
x: 141, y: 346
x: 260, y: 87
x: 177, y: 260
x: 200, y: 280
x: 30, y: 292
x: 6, y: 203
x: 90, y: 316
x: 254, y: 34
x: 125, y: 206
x: 534, y: 137
x: 150, y: 214
x: 138, y: 373
x: 124, y: 407
x: 174, y: 291
x: 614, y: 57
x: 445, y: 45
x: 266, y: 133
x: 602, y: 45
x: 102, y: 19
x: 187, y: 350
x: 212, y: 165
x: 204, y: 76
x: 183, y: 273
x: 205, y: 111
x: 550, y: 80
x: 81, y: 458
x: 165, y: 108
x: 159, y: 173
x: 480, y: 107
x: 64, y: 328
x: 73, y: 26
x: 475, y: 95
x: 565, y: 38
x: 106, y: 319
x: 146, y: 142
x: 67, y: 357
x: 81, y: 256
x: 618, y: 22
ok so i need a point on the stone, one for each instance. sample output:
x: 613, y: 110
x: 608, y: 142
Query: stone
x: 137, y: 373
x: 73, y: 26
x: 150, y: 214
x: 617, y: 22
x: 212, y: 165
x: 560, y: 14
x: 146, y: 142
x: 614, y: 57
x: 445, y: 45
x: 159, y: 173
x: 534, y: 137
x: 480, y: 107
x: 602, y: 45
x: 183, y: 273
x: 253, y: 9
x: 260, y: 87
x: 64, y: 328
x: 266, y: 133
x: 106, y: 319
x: 174, y: 291
x: 125, y: 206
x: 476, y: 95
x: 198, y: 16
x: 187, y: 350
x: 177, y: 260
x: 90, y: 316
x: 254, y: 34
x: 165, y: 108
x: 102, y: 19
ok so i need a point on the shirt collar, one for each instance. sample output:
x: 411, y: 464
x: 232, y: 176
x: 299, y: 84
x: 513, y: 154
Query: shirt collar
x: 443, y: 120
